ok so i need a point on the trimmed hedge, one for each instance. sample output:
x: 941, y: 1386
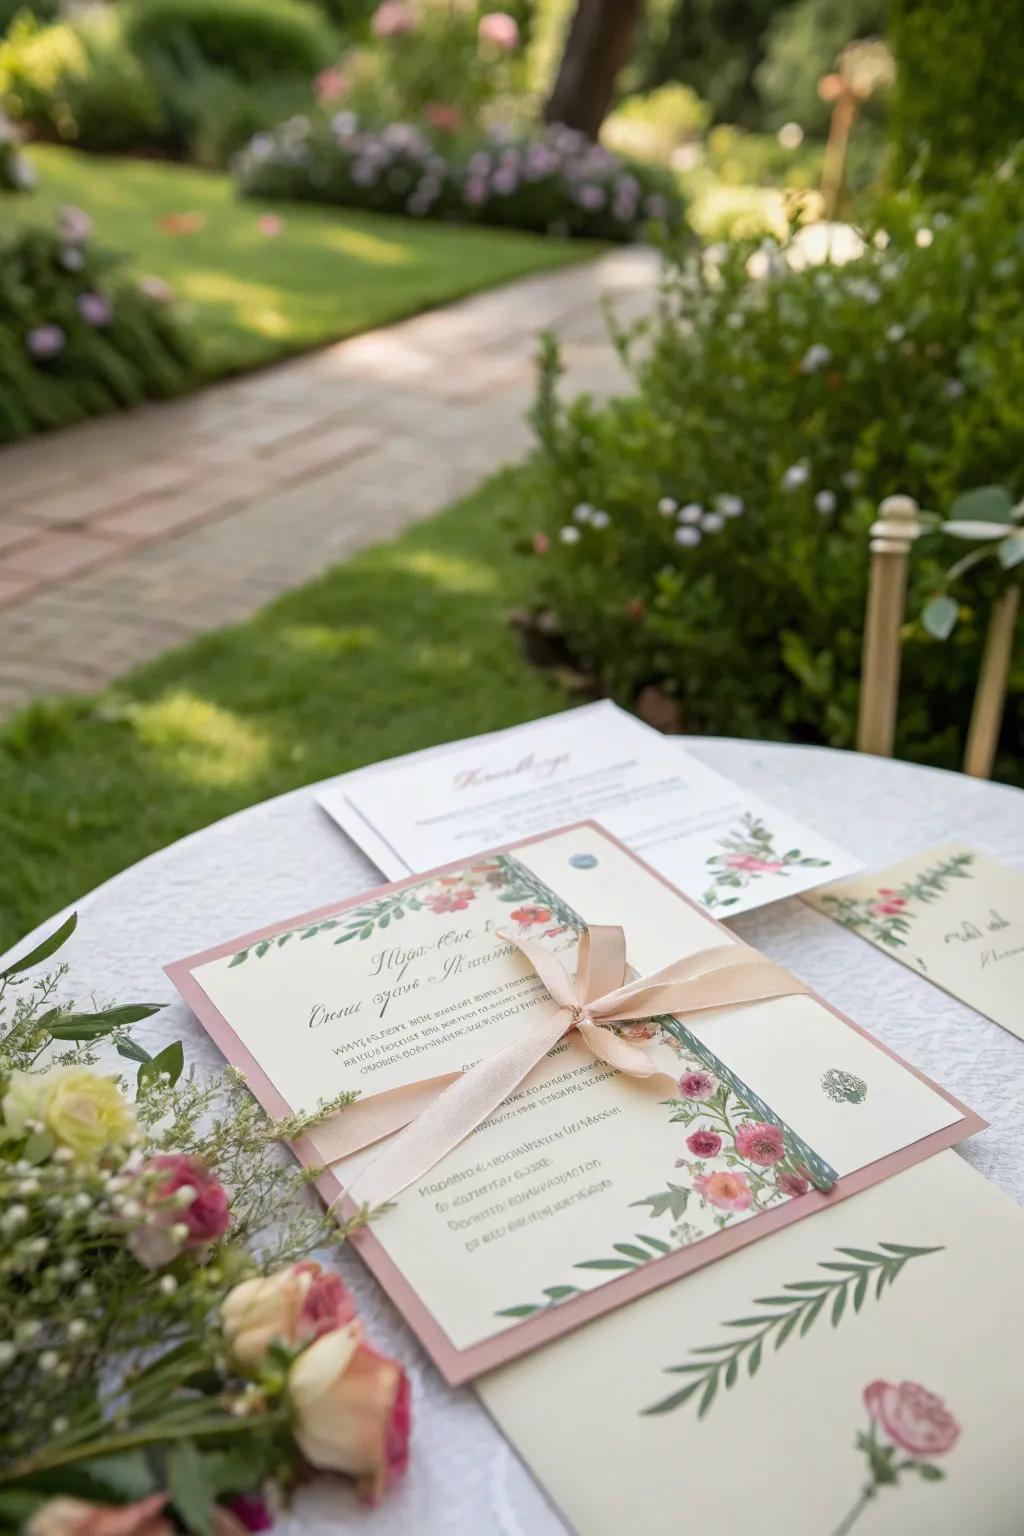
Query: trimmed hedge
x: 254, y: 42
x: 185, y: 77
x: 557, y: 182
x: 958, y: 103
x: 77, y: 339
x: 708, y: 534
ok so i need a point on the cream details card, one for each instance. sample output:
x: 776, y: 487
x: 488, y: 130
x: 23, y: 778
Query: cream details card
x: 952, y: 914
x: 861, y: 1374
x: 719, y: 844
x: 584, y: 1187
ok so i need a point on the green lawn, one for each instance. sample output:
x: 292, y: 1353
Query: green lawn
x: 257, y: 298
x: 404, y: 646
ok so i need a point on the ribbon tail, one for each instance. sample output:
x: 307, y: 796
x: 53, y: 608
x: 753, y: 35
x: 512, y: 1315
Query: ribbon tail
x: 454, y: 1114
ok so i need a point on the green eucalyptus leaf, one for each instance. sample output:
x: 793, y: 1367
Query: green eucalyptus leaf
x: 975, y: 531
x: 170, y: 1060
x: 133, y: 1052
x: 191, y: 1488
x: 43, y: 950
x: 939, y: 617
x: 1011, y: 550
x: 90, y: 1026
x: 989, y: 503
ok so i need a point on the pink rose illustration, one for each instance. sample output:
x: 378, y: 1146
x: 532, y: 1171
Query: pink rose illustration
x: 890, y: 905
x: 760, y: 1142
x: 918, y: 1421
x: 726, y: 1191
x: 704, y: 1143
x: 751, y: 864
x: 697, y: 1085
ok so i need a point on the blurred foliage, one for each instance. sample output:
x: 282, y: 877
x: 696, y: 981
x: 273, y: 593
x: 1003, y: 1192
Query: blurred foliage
x: 185, y: 77
x: 959, y: 97
x: 802, y: 44
x: 713, y: 46
x: 438, y: 67
x: 77, y: 338
x: 257, y: 41
x: 654, y: 125
x: 45, y: 10
x: 78, y: 82
x: 779, y: 397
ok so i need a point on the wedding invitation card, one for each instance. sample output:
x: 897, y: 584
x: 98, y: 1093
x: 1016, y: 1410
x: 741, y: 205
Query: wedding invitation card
x: 859, y: 1373
x: 721, y: 845
x: 585, y: 1187
x: 953, y: 915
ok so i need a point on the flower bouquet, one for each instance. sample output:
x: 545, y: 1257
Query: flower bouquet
x: 171, y: 1356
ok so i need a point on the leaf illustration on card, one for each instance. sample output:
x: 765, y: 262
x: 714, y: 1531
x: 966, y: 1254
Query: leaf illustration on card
x: 887, y: 915
x: 718, y: 1366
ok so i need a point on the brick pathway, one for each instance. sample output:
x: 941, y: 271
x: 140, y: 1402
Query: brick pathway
x: 124, y: 536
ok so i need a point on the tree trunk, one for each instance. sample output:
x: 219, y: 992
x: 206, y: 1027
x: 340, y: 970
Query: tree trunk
x: 599, y: 43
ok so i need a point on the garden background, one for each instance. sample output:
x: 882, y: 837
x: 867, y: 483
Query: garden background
x: 193, y: 189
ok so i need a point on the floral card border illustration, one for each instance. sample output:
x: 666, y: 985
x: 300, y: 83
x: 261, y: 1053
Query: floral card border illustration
x: 750, y: 854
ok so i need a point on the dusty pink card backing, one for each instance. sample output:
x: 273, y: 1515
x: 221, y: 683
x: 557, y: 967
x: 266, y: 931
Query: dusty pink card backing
x: 461, y: 1365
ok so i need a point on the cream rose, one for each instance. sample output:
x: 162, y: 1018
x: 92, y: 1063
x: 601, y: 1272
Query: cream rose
x: 352, y: 1410
x: 81, y: 1109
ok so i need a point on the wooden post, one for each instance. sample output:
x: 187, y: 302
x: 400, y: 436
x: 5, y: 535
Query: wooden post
x: 987, y: 713
x: 891, y: 538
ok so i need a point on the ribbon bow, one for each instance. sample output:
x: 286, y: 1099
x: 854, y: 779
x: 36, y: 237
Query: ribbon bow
x: 596, y: 998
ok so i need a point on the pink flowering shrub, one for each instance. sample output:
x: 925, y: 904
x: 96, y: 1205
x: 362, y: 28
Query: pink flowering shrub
x: 76, y: 337
x: 556, y: 181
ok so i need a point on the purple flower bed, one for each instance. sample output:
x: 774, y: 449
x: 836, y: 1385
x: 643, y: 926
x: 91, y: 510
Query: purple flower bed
x: 78, y: 338
x: 557, y: 181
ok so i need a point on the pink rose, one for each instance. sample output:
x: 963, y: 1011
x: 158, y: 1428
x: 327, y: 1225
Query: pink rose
x: 330, y: 85
x: 443, y: 117
x: 352, y: 1410
x: 760, y: 1143
x: 393, y: 19
x: 697, y: 1085
x: 727, y: 1191
x: 186, y: 1208
x: 792, y: 1183
x: 704, y: 1143
x: 918, y: 1421
x: 499, y: 30
x: 530, y: 916
x: 79, y: 1517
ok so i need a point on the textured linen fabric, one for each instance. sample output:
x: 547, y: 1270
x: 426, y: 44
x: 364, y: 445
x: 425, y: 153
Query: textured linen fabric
x: 286, y: 856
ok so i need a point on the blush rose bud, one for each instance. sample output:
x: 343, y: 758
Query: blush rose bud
x: 292, y: 1307
x: 352, y: 1410
x: 186, y: 1208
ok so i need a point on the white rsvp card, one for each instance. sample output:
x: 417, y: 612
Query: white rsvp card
x: 953, y: 915
x: 718, y: 843
x: 584, y: 1188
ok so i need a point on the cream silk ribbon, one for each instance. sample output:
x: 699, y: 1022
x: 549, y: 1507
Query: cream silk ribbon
x: 441, y: 1112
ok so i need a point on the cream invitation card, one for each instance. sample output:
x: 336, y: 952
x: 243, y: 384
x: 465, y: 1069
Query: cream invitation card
x: 584, y: 1188
x: 952, y: 914
x: 721, y: 845
x: 860, y: 1373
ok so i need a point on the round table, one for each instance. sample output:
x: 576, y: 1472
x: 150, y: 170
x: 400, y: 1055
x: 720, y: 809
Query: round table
x: 286, y: 856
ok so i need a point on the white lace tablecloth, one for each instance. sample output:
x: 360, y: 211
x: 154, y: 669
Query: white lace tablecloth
x: 286, y: 856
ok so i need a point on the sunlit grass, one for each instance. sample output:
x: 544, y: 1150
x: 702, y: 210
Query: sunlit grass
x: 327, y: 274
x: 406, y: 645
